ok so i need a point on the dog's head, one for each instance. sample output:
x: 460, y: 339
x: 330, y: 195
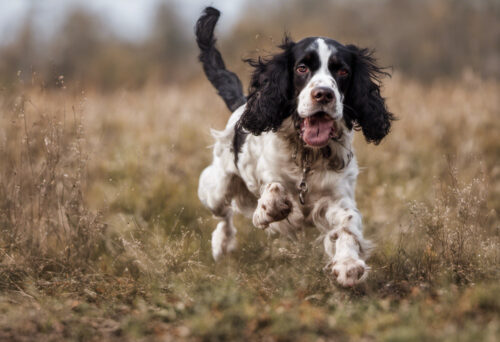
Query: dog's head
x: 319, y: 83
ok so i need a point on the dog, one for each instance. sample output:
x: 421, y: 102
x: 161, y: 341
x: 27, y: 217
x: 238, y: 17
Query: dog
x: 285, y: 158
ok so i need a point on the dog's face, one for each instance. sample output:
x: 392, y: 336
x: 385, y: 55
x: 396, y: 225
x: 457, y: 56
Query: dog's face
x: 321, y: 76
x: 318, y: 82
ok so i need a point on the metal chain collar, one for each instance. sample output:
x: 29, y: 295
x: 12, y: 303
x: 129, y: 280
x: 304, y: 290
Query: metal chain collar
x: 303, y: 185
x: 305, y: 162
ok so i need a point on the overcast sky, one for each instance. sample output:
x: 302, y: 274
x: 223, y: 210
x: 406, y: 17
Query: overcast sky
x: 128, y: 18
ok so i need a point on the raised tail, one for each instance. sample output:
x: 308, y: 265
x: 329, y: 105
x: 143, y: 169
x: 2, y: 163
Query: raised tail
x: 228, y: 85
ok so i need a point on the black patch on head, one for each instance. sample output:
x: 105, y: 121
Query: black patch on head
x: 270, y: 98
x: 364, y: 107
x: 310, y: 59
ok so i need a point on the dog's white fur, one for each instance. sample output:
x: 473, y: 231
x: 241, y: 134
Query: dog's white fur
x: 264, y: 185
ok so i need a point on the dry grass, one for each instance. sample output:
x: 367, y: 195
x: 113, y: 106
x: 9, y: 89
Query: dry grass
x: 102, y: 236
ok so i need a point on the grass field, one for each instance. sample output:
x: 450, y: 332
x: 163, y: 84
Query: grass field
x: 102, y: 236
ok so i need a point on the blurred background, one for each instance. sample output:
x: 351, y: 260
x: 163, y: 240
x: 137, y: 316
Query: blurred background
x: 106, y: 44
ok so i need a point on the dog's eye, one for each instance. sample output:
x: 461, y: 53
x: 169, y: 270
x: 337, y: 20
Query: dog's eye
x: 342, y: 72
x: 302, y: 69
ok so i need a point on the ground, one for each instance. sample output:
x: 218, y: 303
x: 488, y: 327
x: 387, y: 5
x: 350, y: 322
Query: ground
x: 102, y: 236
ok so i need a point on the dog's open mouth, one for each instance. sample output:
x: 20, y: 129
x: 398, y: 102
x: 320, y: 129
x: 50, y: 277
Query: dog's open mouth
x: 316, y: 130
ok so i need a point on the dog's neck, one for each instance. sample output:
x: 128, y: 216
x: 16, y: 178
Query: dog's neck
x: 334, y: 156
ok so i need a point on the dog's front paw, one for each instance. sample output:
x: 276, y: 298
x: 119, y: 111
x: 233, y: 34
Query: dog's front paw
x: 349, y: 271
x: 274, y: 205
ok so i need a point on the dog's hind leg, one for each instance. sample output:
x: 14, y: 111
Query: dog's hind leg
x: 223, y: 238
x: 214, y: 191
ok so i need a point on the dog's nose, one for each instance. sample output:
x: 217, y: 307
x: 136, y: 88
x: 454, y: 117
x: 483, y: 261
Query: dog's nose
x: 322, y: 95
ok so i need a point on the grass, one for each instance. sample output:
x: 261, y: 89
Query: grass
x: 102, y: 236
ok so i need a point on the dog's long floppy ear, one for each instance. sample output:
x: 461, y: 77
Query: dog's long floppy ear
x: 365, y: 107
x: 270, y: 96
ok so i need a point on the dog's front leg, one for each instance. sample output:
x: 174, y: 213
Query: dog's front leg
x: 344, y: 242
x: 275, y: 204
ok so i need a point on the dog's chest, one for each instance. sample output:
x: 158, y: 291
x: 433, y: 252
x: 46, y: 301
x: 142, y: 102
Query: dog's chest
x: 266, y: 159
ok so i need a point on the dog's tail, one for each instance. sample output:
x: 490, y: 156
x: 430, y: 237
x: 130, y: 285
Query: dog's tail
x: 228, y: 85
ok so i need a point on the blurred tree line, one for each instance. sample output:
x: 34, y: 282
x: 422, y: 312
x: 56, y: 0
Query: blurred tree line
x: 423, y: 39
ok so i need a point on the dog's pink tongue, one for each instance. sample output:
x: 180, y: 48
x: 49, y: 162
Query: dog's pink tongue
x: 316, y: 130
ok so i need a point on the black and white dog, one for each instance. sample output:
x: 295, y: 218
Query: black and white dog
x: 285, y: 157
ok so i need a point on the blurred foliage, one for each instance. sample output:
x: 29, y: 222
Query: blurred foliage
x: 85, y: 52
x: 422, y: 38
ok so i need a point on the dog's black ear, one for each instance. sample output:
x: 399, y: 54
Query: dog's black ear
x: 365, y: 107
x: 270, y: 96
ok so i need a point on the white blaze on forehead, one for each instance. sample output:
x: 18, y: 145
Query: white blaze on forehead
x: 324, y: 52
x: 321, y: 78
